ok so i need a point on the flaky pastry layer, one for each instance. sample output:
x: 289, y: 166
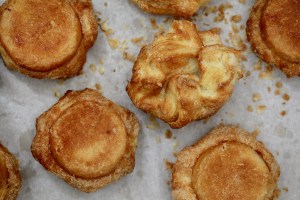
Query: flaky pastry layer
x: 184, y: 75
x: 47, y: 39
x: 10, y: 178
x: 86, y: 140
x: 273, y: 31
x: 171, y: 7
x: 228, y: 163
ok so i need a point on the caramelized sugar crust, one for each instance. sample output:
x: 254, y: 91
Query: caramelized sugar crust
x: 273, y: 31
x: 184, y: 75
x: 171, y: 7
x: 10, y: 179
x: 86, y: 140
x: 46, y: 39
x: 227, y: 164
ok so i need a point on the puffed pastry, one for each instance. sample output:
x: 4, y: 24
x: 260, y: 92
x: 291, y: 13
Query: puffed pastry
x: 171, y: 7
x: 10, y: 178
x: 273, y: 31
x: 47, y: 39
x: 227, y: 164
x: 86, y: 140
x: 184, y: 75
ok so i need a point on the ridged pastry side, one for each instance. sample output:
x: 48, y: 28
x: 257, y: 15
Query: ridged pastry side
x: 47, y: 39
x: 228, y: 163
x: 171, y: 7
x: 86, y: 140
x: 11, y: 181
x: 184, y: 75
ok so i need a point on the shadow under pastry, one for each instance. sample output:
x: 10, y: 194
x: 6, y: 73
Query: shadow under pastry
x: 86, y: 140
x: 47, y: 39
x: 273, y: 31
x: 228, y: 163
x: 10, y: 178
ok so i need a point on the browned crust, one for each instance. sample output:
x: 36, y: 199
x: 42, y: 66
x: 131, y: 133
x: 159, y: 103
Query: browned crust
x: 182, y: 169
x: 260, y: 46
x: 42, y: 153
x: 170, y: 7
x: 14, y: 178
x: 72, y: 67
x: 174, y: 78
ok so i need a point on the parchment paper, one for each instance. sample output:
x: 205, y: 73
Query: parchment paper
x: 22, y: 99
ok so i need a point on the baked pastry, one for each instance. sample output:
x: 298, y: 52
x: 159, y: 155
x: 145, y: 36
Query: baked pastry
x: 47, y: 39
x: 273, y: 31
x: 184, y: 75
x: 228, y: 163
x: 86, y: 140
x: 10, y: 179
x: 171, y: 7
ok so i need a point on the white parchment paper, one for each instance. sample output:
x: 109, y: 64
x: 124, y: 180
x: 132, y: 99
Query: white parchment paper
x: 22, y: 99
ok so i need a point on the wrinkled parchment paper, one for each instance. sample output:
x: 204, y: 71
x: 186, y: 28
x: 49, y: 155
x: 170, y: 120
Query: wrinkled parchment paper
x: 273, y: 112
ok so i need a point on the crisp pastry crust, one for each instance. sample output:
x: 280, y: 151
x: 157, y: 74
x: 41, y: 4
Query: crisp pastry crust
x: 273, y: 31
x: 10, y: 179
x: 184, y: 75
x: 228, y: 163
x: 86, y: 140
x: 47, y: 39
x: 171, y: 7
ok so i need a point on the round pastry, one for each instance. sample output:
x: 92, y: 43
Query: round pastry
x: 184, y: 75
x: 171, y: 7
x: 273, y: 31
x: 47, y: 39
x: 228, y: 163
x: 10, y: 179
x: 86, y: 140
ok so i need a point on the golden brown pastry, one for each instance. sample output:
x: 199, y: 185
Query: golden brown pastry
x: 86, y: 140
x: 10, y: 179
x: 273, y: 31
x: 184, y: 75
x: 227, y: 164
x: 47, y: 39
x: 171, y: 7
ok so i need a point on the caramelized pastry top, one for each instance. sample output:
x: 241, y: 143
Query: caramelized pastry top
x: 171, y: 7
x: 87, y: 140
x: 40, y: 35
x: 47, y: 39
x: 184, y: 75
x: 227, y: 164
x: 273, y: 31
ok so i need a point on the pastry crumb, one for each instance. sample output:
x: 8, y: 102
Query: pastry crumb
x: 93, y: 67
x: 250, y: 109
x: 260, y: 108
x: 256, y: 97
x: 113, y: 43
x: 153, y: 123
x: 236, y: 18
x: 168, y: 134
x: 101, y: 70
x: 127, y: 56
x: 283, y: 113
x: 286, y: 97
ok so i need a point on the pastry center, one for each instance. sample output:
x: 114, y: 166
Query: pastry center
x: 230, y: 171
x: 40, y: 35
x: 87, y: 140
x: 3, y: 176
x: 281, y: 25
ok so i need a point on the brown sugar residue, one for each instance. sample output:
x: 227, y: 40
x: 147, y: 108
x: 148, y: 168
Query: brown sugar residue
x: 250, y: 109
x: 221, y: 12
x: 257, y: 66
x: 286, y: 97
x: 278, y: 84
x: 267, y: 73
x: 169, y: 165
x: 277, y: 92
x: 93, y: 67
x: 256, y: 97
x: 153, y: 123
x: 128, y: 56
x: 261, y: 108
x: 236, y: 18
x: 168, y: 134
x: 113, y: 43
x: 137, y: 40
x: 283, y: 113
x: 153, y: 23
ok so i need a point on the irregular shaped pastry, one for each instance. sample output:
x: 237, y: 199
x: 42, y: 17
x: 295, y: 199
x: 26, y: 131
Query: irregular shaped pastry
x: 184, y: 75
x: 86, y: 140
x: 10, y: 179
x: 47, y: 39
x: 228, y: 163
x: 171, y: 7
x: 273, y: 31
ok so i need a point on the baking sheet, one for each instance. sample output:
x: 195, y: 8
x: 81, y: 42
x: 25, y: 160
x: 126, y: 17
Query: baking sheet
x: 22, y: 99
